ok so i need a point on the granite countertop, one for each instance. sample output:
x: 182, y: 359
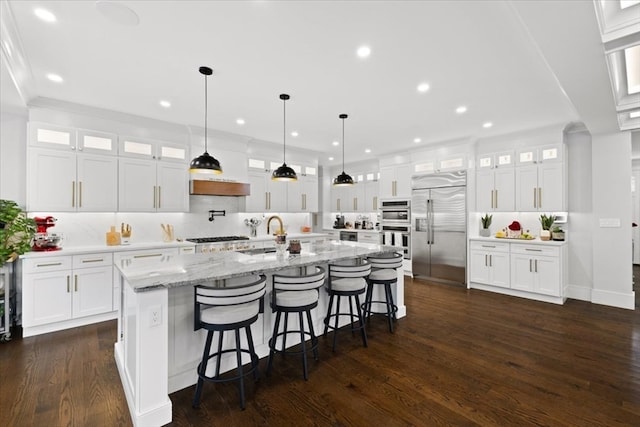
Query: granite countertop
x: 535, y: 241
x: 77, y: 250
x: 190, y: 270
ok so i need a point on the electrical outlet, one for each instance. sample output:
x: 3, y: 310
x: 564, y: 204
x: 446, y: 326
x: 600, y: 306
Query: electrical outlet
x: 155, y: 315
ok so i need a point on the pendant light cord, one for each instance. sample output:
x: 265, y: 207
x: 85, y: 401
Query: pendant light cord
x: 206, y: 103
x: 284, y: 131
x: 342, y: 145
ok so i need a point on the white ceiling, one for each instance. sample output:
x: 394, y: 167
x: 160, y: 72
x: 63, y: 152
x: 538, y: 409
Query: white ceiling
x: 519, y: 65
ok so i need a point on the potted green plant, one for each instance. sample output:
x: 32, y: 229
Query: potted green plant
x: 546, y: 222
x: 16, y: 231
x: 485, y: 221
x: 557, y: 234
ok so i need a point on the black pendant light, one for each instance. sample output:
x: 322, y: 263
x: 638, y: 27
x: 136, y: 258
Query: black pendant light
x: 284, y: 172
x: 205, y: 163
x: 343, y: 179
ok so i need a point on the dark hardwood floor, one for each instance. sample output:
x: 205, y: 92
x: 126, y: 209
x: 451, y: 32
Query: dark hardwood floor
x: 460, y: 357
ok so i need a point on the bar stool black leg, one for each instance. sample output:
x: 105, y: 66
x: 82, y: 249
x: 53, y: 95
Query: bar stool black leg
x: 335, y: 329
x: 273, y: 341
x: 367, y: 302
x: 304, y: 347
x: 390, y: 311
x: 239, y: 359
x: 363, y: 332
x: 327, y: 319
x: 220, y: 339
x: 254, y: 357
x: 314, y: 338
x: 351, y: 318
x: 203, y: 369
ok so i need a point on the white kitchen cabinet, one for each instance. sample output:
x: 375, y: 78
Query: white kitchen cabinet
x: 302, y: 195
x: 550, y: 153
x: 536, y: 269
x: 489, y: 263
x: 371, y: 196
x: 141, y: 148
x: 62, y: 181
x: 266, y: 195
x: 152, y: 186
x: 60, y: 292
x: 540, y: 187
x: 495, y: 190
x: 45, y: 135
x: 395, y: 181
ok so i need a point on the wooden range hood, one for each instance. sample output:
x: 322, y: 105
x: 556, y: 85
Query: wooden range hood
x: 218, y: 188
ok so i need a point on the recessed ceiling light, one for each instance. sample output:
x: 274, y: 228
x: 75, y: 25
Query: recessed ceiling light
x: 165, y: 104
x: 240, y: 121
x: 294, y: 133
x: 367, y: 150
x: 461, y: 109
x: 117, y: 12
x: 45, y: 15
x: 417, y: 140
x: 55, y: 78
x: 487, y: 125
x: 335, y: 143
x: 364, y: 51
x: 330, y: 158
x: 423, y: 87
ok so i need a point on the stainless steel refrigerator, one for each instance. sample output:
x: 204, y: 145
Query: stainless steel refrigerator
x: 439, y: 219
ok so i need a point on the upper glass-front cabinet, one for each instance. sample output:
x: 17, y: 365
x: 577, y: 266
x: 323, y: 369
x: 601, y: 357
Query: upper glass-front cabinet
x: 495, y: 160
x: 149, y: 149
x: 65, y: 138
x: 541, y: 154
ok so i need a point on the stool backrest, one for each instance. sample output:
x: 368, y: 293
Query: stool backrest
x: 387, y: 260
x: 349, y: 269
x: 305, y: 282
x: 234, y: 291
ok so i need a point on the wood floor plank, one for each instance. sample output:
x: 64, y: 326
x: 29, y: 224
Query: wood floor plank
x: 460, y: 357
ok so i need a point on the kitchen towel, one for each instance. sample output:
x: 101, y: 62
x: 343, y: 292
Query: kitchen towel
x: 397, y: 239
x: 387, y: 238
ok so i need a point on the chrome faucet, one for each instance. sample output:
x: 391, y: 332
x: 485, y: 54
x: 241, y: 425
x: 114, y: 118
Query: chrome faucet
x: 280, y: 232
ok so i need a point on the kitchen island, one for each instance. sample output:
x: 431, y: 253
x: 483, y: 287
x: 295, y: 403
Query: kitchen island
x: 157, y: 350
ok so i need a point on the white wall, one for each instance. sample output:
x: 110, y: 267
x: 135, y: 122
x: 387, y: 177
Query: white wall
x: 13, y: 158
x: 611, y: 178
x: 580, y: 240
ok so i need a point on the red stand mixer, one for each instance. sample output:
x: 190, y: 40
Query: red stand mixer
x: 43, y: 240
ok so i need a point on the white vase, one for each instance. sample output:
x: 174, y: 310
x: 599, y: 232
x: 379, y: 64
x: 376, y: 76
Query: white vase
x: 545, y: 235
x: 485, y: 232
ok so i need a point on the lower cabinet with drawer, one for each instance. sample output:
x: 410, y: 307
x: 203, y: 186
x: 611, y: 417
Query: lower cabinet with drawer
x: 60, y: 292
x: 519, y: 268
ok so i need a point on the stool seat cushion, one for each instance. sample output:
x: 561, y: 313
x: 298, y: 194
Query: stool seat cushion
x: 348, y: 284
x: 383, y: 274
x: 296, y: 298
x: 228, y: 314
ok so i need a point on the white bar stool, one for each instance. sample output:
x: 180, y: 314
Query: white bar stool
x: 347, y: 279
x: 232, y: 306
x: 295, y: 294
x: 383, y: 272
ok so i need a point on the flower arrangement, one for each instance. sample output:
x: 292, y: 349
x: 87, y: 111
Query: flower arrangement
x: 546, y: 222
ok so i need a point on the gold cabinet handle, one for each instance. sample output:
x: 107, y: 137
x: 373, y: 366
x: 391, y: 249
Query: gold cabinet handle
x: 496, y: 204
x: 50, y: 264
x: 375, y: 203
x: 539, y: 197
x: 79, y: 194
x: 535, y: 204
x: 159, y: 197
x: 266, y: 200
x: 73, y: 194
x: 146, y: 256
x: 154, y: 197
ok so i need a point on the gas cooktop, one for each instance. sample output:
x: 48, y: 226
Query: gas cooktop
x: 216, y: 239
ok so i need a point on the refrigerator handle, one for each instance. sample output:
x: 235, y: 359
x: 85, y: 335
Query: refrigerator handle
x: 428, y: 221
x: 432, y: 237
